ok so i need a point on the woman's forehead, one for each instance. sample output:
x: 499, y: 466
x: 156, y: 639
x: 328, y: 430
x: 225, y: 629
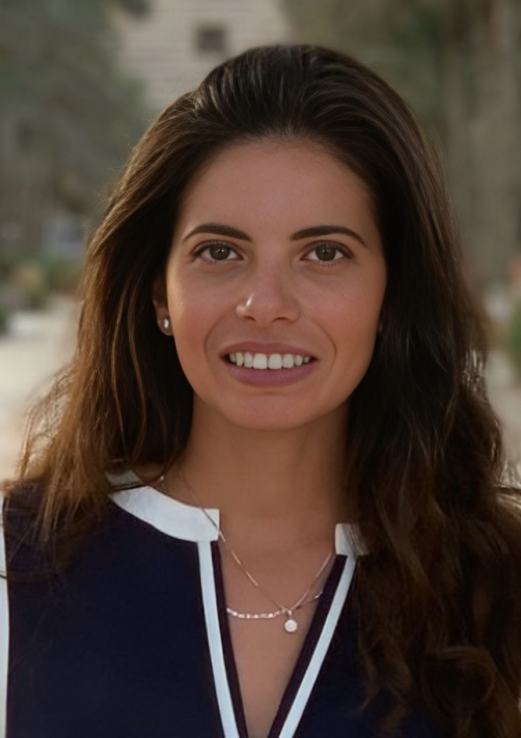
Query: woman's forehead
x: 276, y: 180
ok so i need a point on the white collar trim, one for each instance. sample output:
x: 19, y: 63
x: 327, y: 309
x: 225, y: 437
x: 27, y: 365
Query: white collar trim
x: 168, y: 515
x: 188, y: 523
x: 348, y: 541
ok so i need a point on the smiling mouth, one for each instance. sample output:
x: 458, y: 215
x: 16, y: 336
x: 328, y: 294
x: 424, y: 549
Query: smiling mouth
x: 268, y: 361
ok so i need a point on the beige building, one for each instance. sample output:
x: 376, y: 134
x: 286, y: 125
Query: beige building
x: 179, y: 41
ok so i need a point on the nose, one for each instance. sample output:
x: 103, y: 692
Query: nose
x: 270, y: 295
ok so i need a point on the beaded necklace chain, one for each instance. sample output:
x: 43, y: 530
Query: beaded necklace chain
x: 290, y: 625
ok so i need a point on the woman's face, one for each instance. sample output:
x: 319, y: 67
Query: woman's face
x: 274, y: 285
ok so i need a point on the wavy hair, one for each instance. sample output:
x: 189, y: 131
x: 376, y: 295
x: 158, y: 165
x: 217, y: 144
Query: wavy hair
x: 438, y: 598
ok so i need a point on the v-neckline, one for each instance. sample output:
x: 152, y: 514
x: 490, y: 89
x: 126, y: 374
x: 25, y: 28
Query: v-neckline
x: 304, y: 657
x: 186, y: 523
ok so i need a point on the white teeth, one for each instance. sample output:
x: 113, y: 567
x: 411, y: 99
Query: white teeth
x: 268, y: 361
x: 260, y: 361
x: 275, y: 361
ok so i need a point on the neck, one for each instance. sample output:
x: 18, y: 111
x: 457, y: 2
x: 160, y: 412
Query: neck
x: 280, y: 489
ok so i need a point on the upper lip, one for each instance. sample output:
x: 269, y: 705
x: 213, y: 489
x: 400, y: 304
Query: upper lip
x: 255, y: 347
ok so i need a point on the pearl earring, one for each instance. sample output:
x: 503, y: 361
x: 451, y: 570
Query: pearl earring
x: 166, y: 324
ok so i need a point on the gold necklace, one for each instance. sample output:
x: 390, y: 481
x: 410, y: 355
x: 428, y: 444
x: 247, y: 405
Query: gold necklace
x: 290, y: 625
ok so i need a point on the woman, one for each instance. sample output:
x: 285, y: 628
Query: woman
x: 265, y: 498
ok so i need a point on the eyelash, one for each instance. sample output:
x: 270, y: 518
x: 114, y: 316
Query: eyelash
x: 198, y: 254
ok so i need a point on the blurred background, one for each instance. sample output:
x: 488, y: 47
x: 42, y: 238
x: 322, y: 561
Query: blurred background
x: 80, y: 81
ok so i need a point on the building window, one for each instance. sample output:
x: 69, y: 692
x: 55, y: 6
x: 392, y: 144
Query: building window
x: 210, y: 39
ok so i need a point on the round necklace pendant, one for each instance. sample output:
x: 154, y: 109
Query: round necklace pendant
x: 290, y: 626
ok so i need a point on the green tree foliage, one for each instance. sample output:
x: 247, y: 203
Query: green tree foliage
x: 68, y: 116
x: 457, y: 62
x: 400, y: 38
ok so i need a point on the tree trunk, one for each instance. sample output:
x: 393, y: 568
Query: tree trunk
x: 457, y: 115
x: 495, y: 140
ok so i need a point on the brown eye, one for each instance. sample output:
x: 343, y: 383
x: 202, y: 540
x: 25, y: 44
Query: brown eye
x: 326, y: 252
x: 214, y: 252
x: 219, y: 252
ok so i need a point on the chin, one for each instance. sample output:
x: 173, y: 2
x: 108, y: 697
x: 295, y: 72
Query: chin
x: 270, y: 426
x: 270, y: 419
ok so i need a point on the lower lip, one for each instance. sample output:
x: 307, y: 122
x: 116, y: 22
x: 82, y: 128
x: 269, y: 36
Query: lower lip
x: 270, y: 377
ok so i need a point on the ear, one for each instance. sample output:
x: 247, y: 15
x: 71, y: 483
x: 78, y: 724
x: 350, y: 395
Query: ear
x: 160, y: 302
x: 159, y: 298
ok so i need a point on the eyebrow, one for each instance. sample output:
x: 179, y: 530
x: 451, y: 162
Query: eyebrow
x: 327, y: 230
x: 312, y: 232
x: 219, y: 230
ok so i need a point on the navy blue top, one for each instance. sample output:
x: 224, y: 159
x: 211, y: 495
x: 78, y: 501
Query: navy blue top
x: 132, y: 641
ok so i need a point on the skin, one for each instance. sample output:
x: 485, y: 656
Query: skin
x: 271, y: 458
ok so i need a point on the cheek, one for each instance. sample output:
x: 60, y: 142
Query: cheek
x: 183, y: 311
x: 353, y: 312
x: 188, y: 327
x: 352, y: 321
x: 193, y: 312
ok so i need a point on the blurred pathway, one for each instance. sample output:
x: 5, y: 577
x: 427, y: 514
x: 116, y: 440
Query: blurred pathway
x: 40, y: 343
x: 504, y: 390
x: 37, y: 345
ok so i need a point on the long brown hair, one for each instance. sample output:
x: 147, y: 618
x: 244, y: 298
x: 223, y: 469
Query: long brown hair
x: 438, y: 598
